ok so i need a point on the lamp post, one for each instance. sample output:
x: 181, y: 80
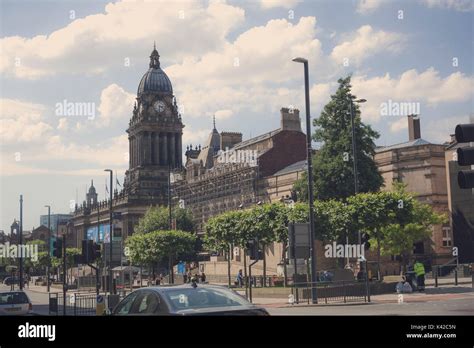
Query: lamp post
x: 354, y: 150
x: 21, y: 242
x: 110, y: 230
x: 314, y: 298
x: 49, y: 245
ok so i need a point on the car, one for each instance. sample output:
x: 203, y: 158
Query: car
x: 187, y: 299
x: 15, y: 303
x: 11, y: 280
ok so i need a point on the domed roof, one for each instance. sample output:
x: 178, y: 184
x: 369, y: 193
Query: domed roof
x: 155, y: 79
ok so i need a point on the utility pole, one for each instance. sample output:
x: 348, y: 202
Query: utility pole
x: 49, y: 246
x: 110, y: 230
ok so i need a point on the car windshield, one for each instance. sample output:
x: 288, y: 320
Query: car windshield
x: 195, y: 298
x: 13, y: 298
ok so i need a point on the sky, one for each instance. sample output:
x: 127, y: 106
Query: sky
x: 231, y: 59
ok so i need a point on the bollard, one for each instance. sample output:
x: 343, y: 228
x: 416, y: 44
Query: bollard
x: 456, y: 276
x: 436, y: 277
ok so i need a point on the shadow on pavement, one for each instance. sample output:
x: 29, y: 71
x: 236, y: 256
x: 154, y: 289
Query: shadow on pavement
x: 449, y: 290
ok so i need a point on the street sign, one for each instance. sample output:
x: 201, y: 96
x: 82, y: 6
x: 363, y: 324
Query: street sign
x: 299, y: 240
x: 100, y: 305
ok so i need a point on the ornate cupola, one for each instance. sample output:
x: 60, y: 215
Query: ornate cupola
x: 154, y: 133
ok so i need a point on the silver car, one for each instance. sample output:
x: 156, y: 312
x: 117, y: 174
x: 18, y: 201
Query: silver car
x: 15, y: 303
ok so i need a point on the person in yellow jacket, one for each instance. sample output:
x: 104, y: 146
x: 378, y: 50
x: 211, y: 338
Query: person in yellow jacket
x: 419, y: 269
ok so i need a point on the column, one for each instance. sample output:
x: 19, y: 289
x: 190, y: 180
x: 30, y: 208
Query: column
x: 172, y: 149
x: 130, y: 147
x: 164, y: 152
x: 157, y: 148
x: 147, y: 148
x: 179, y: 150
x: 140, y: 149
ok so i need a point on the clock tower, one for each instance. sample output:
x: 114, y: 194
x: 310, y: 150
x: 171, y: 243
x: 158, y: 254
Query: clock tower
x: 154, y: 136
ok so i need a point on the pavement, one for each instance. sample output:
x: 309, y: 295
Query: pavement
x: 445, y: 299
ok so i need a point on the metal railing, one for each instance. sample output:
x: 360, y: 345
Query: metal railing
x: 76, y: 304
x: 332, y: 292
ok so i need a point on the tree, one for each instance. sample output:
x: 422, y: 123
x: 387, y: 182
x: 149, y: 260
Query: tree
x: 150, y: 248
x: 157, y: 218
x: 394, y: 220
x: 333, y: 163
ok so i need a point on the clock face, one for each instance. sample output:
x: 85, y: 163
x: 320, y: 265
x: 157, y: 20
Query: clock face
x: 159, y: 106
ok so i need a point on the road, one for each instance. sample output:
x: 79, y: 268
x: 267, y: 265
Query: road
x: 435, y: 302
x: 445, y: 307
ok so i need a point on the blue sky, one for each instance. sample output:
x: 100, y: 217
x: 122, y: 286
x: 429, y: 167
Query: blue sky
x: 48, y: 57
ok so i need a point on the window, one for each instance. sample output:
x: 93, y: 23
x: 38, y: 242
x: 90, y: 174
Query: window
x: 447, y: 242
x: 145, y: 304
x: 124, y: 306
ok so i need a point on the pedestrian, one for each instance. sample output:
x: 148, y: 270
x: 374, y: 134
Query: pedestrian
x: 190, y: 275
x: 419, y: 269
x: 240, y: 279
x: 185, y: 277
x: 203, y: 277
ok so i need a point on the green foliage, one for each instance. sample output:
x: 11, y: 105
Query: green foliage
x: 150, y: 248
x: 157, y: 219
x: 394, y: 220
x: 333, y: 163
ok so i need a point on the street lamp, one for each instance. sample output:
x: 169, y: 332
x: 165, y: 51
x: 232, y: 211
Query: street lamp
x: 49, y: 245
x: 354, y: 149
x: 314, y: 298
x: 110, y: 230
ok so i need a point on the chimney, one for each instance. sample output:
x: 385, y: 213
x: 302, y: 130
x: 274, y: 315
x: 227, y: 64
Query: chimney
x: 290, y: 119
x: 414, y: 131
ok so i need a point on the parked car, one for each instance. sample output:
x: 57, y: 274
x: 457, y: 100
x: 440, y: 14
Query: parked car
x: 187, y: 299
x: 15, y: 303
x: 11, y: 280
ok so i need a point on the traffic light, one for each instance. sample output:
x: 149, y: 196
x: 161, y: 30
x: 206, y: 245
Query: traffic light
x: 90, y: 251
x: 254, y: 250
x: 58, y: 248
x: 364, y: 239
x: 94, y: 251
x: 465, y: 155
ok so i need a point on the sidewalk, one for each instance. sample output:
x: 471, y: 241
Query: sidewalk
x: 431, y: 294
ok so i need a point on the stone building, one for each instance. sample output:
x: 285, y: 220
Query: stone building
x: 154, y: 135
x: 421, y: 166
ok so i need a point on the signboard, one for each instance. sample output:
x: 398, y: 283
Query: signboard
x: 116, y: 251
x: 299, y: 240
x: 181, y: 268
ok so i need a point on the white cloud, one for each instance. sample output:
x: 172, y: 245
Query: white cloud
x: 266, y: 4
x: 246, y: 72
x: 398, y: 125
x: 224, y: 114
x: 427, y: 88
x: 458, y: 5
x: 369, y: 6
x: 87, y: 44
x: 22, y: 122
x: 367, y: 42
x: 116, y: 105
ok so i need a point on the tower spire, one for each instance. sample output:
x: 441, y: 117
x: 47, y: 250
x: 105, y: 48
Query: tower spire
x: 214, y: 121
x: 154, y: 57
